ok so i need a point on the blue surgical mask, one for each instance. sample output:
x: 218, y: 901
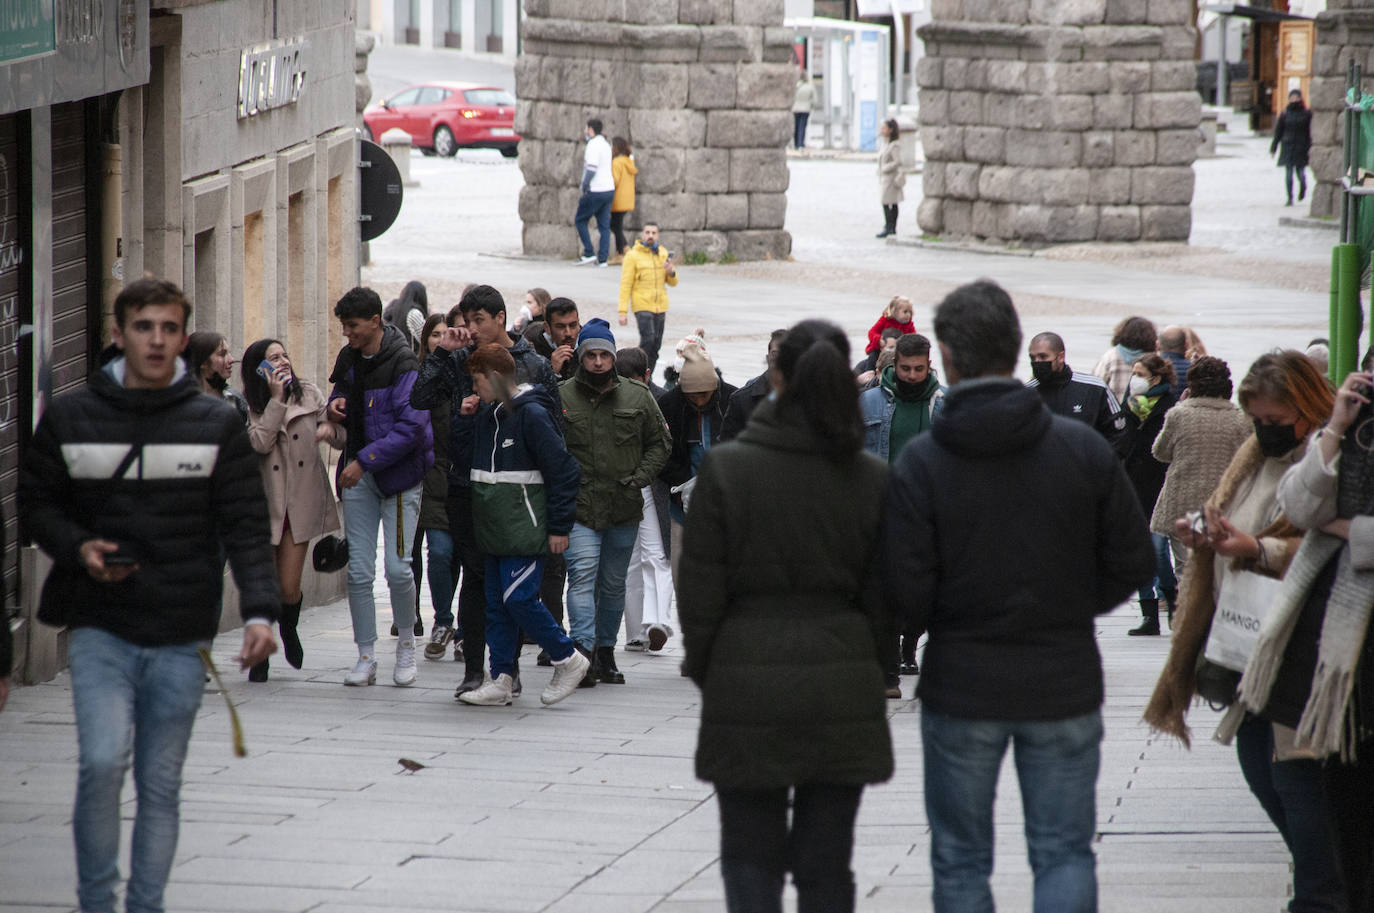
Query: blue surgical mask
x: 653, y: 247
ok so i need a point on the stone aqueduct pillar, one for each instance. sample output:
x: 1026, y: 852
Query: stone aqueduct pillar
x: 702, y: 89
x: 1059, y: 120
x: 1345, y: 32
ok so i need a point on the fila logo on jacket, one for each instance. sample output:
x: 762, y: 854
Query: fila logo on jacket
x: 156, y: 461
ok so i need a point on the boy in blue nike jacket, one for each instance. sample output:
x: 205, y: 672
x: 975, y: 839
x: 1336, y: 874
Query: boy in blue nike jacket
x: 524, y: 500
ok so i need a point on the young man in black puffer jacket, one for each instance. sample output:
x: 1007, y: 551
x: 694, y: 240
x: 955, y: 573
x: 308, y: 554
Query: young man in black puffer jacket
x: 133, y: 485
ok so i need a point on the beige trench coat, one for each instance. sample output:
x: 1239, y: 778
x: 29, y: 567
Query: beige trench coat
x: 293, y: 474
x: 891, y: 177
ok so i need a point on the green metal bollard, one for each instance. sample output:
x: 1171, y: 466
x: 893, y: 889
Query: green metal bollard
x: 1333, y: 321
x: 1347, y: 309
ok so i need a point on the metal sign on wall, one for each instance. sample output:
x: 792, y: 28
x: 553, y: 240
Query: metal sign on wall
x: 26, y: 29
x: 66, y: 50
x: 271, y: 75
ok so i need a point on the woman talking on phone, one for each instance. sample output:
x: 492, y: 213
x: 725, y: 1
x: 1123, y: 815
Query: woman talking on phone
x: 286, y: 425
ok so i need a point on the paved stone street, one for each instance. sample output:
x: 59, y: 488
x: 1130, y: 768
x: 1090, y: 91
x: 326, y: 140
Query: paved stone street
x: 592, y: 805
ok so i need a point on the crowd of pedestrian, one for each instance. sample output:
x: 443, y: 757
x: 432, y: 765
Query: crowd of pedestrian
x: 816, y: 523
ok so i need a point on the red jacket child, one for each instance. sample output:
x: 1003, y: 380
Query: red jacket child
x: 897, y: 314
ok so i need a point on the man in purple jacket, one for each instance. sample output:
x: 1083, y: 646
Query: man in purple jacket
x: 389, y: 447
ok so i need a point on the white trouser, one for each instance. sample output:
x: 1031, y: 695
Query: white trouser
x: 649, y: 583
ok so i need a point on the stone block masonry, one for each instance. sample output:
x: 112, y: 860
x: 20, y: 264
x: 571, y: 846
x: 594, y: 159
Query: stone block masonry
x: 702, y: 90
x: 1345, y: 32
x: 1049, y: 122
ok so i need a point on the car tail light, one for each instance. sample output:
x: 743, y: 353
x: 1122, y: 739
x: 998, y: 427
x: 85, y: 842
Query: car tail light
x: 469, y: 113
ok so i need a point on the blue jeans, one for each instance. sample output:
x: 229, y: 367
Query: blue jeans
x: 1164, y: 580
x: 140, y: 702
x: 597, y: 563
x: 513, y: 606
x: 364, y: 507
x: 598, y: 206
x: 443, y: 575
x: 1056, y: 764
x: 799, y: 119
x: 1293, y: 795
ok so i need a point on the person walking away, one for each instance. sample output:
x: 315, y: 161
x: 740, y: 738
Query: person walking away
x: 1132, y: 338
x: 1173, y: 345
x: 1005, y: 604
x: 623, y: 170
x: 617, y: 434
x: 746, y: 399
x: 442, y: 374
x: 1200, y: 436
x: 1293, y: 141
x: 1066, y: 392
x: 1244, y: 530
x: 783, y: 625
x: 598, y: 190
x: 891, y: 176
x: 555, y: 337
x: 388, y: 447
x: 444, y: 567
x: 132, y: 485
x: 803, y: 103
x: 208, y: 360
x: 649, y: 580
x: 907, y: 399
x: 524, y: 485
x: 408, y: 312
x: 644, y: 279
x: 286, y: 425
x: 1148, y: 401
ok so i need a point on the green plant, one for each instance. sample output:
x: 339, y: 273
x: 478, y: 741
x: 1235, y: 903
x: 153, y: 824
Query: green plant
x: 728, y: 257
x: 696, y: 258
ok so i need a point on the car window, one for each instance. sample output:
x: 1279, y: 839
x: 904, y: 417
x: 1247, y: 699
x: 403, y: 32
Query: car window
x: 491, y: 97
x: 404, y: 99
x: 430, y: 95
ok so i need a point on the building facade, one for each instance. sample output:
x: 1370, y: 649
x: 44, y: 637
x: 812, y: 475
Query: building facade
x: 481, y: 27
x: 211, y: 143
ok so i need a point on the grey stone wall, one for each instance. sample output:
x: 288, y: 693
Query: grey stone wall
x: 1052, y: 121
x: 702, y: 89
x: 1345, y: 31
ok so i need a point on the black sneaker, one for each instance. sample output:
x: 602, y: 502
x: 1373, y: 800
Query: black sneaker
x: 469, y: 683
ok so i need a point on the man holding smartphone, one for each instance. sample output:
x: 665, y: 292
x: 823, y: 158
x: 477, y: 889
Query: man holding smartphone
x: 116, y: 487
x: 647, y: 271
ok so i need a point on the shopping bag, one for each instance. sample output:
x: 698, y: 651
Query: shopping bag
x: 1245, y: 600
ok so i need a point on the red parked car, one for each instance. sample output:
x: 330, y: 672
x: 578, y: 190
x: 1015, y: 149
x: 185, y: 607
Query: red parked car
x: 443, y: 117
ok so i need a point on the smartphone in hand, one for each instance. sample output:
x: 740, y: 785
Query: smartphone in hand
x: 265, y: 369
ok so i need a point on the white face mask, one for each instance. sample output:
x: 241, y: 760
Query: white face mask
x: 1139, y: 385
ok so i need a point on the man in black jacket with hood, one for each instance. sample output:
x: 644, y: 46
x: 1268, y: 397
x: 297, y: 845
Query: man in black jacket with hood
x: 132, y: 485
x: 1008, y: 530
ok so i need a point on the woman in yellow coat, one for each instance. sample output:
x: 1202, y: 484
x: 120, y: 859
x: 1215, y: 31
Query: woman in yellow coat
x: 623, y: 172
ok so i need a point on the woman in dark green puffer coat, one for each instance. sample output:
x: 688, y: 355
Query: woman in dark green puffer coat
x: 782, y: 624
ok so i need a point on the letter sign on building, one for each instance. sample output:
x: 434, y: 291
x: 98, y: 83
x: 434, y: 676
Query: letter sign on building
x: 271, y: 75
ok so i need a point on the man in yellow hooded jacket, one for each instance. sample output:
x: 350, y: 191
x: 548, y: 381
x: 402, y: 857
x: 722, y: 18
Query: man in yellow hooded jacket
x: 644, y: 277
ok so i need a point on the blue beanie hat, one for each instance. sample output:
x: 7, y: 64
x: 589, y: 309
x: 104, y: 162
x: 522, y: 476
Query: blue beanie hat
x: 596, y: 334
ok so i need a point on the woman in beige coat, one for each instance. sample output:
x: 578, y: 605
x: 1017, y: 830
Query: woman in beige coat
x: 891, y: 177
x: 286, y: 425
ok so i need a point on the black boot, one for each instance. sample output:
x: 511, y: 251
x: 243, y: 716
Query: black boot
x: 605, y: 667
x: 588, y: 680
x: 290, y: 640
x: 1149, y: 610
x: 1171, y: 597
x: 258, y: 672
x: 908, y: 665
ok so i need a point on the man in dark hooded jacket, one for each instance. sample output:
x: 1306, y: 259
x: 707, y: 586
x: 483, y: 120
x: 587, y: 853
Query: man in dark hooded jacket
x: 1009, y: 530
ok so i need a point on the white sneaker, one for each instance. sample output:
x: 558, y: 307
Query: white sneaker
x: 405, y: 672
x: 567, y: 674
x: 602, y: 264
x: 493, y: 693
x: 365, y: 672
x: 583, y: 261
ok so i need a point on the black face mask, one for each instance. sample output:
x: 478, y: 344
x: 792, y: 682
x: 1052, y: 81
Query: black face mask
x: 908, y: 390
x: 1042, y: 370
x: 1276, y: 440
